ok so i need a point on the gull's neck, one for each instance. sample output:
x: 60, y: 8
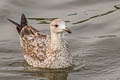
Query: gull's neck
x: 56, y: 39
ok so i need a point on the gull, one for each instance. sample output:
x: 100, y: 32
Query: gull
x: 41, y: 50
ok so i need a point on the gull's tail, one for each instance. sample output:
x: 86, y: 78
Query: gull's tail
x: 23, y: 23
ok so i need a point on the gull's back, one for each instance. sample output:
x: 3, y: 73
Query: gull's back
x: 34, y: 45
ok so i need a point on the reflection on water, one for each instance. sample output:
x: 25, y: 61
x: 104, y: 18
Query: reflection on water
x: 53, y: 76
x: 48, y: 74
x: 43, y: 74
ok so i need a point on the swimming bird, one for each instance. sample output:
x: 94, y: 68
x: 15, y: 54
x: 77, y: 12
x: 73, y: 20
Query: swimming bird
x: 41, y: 50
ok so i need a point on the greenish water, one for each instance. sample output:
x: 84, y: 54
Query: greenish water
x: 47, y: 20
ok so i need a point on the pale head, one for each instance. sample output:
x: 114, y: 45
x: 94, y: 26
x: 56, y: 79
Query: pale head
x: 58, y: 26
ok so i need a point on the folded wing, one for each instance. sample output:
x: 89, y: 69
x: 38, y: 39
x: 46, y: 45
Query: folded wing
x: 33, y: 42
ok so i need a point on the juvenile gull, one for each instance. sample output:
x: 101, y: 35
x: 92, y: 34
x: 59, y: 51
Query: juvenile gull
x: 41, y: 50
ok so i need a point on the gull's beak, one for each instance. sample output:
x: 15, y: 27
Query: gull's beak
x: 67, y: 30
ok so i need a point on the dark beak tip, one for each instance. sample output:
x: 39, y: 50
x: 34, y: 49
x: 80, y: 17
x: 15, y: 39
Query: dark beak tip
x: 68, y: 30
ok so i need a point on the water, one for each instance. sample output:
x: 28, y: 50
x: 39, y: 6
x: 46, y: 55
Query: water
x: 94, y: 42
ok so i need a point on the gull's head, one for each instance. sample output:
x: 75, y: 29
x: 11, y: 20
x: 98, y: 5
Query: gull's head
x: 58, y: 26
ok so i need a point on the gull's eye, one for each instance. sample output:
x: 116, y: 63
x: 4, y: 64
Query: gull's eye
x: 56, y: 25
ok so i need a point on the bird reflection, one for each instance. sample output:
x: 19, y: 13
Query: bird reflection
x: 47, y: 74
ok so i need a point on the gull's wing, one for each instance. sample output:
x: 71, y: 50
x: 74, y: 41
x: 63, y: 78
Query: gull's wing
x: 34, y: 43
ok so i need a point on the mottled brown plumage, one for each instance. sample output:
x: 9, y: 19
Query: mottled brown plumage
x: 41, y: 50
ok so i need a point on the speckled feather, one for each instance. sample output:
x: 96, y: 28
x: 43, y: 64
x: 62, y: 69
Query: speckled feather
x: 39, y: 53
x: 41, y: 50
